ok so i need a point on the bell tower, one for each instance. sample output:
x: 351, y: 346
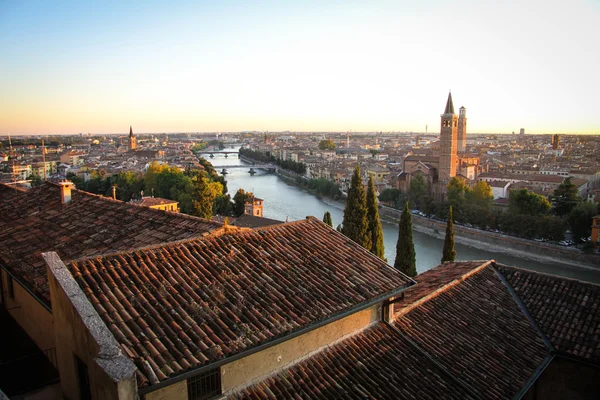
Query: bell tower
x: 448, y: 143
x: 132, y: 143
x: 462, y: 129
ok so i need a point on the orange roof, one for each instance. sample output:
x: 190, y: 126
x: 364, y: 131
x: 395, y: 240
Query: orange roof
x: 199, y: 301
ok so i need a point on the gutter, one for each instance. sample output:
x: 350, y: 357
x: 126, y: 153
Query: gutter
x: 360, y: 307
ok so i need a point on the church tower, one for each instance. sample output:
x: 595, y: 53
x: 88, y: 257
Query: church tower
x: 132, y: 144
x: 448, y: 143
x: 462, y: 130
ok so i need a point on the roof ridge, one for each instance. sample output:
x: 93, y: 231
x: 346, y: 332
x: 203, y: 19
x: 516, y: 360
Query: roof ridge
x: 276, y: 226
x: 203, y: 237
x: 405, y: 310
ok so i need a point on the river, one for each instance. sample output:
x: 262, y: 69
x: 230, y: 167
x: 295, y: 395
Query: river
x: 284, y: 200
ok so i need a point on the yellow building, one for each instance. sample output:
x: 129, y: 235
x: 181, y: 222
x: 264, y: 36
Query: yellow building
x: 254, y: 206
x: 158, y: 203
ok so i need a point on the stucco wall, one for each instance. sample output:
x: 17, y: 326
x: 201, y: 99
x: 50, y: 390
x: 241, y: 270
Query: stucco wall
x: 36, y: 320
x: 176, y: 391
x: 255, y: 367
x: 80, y: 331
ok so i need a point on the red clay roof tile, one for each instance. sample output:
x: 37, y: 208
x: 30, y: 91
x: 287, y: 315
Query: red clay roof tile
x: 566, y: 310
x: 201, y: 300
x: 378, y: 363
x: 35, y: 221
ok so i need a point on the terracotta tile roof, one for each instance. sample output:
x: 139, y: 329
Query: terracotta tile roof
x: 251, y: 221
x: 475, y: 329
x: 566, y: 310
x: 429, y: 283
x: 471, y: 325
x: 376, y: 364
x: 7, y: 191
x: 153, y: 201
x: 183, y: 305
x: 35, y: 221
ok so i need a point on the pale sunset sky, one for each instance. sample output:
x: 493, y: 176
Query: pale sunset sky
x: 200, y: 66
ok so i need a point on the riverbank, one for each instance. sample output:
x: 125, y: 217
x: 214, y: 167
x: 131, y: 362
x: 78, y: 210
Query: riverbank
x: 499, y: 243
x: 484, y: 240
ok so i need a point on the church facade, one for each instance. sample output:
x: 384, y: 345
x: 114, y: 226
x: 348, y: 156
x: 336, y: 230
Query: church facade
x: 446, y: 159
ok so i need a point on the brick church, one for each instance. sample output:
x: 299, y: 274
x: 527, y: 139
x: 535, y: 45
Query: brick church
x: 446, y: 159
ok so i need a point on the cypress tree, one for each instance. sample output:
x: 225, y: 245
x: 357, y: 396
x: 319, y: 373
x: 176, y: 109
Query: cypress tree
x: 405, y: 248
x: 449, y: 254
x: 375, y: 230
x: 327, y: 218
x: 356, y: 223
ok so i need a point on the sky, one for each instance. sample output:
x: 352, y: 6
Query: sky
x: 206, y: 66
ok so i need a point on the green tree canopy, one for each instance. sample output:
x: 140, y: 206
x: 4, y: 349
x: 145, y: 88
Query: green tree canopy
x: 580, y: 219
x: 405, y: 249
x: 204, y: 195
x: 392, y: 197
x: 356, y: 223
x: 326, y: 144
x: 481, y: 195
x: 457, y: 193
x: 239, y: 201
x: 375, y: 229
x: 327, y: 218
x: 523, y: 201
x: 419, y: 190
x: 565, y: 197
x: 449, y: 254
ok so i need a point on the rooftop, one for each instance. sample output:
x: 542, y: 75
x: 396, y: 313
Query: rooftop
x: 466, y: 329
x: 36, y: 221
x: 179, y: 306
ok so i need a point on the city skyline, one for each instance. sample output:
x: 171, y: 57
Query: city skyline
x: 339, y: 66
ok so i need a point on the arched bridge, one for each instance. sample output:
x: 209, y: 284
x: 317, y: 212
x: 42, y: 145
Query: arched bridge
x: 218, y: 152
x: 256, y: 166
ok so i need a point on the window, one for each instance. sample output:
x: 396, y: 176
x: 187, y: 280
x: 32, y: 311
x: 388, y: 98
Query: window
x: 83, y: 379
x: 10, y: 288
x: 205, y: 385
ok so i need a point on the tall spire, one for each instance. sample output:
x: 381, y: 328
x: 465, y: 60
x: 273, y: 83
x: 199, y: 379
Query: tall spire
x: 449, y: 105
x: 130, y: 131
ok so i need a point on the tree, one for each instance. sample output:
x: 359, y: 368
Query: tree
x: 375, y: 229
x: 204, y: 195
x: 449, y: 254
x: 326, y: 145
x: 580, y: 220
x: 481, y: 195
x: 327, y: 218
x: 565, y: 197
x: 419, y: 189
x: 392, y: 197
x: 523, y: 201
x: 356, y: 222
x: 239, y: 201
x: 405, y: 249
x: 458, y: 191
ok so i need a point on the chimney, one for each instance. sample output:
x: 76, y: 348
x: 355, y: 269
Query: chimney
x: 65, y: 191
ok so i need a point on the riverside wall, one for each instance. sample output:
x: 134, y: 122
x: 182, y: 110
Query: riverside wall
x: 541, y: 251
